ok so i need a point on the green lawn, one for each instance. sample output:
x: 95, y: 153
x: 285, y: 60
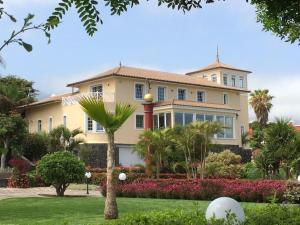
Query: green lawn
x: 81, y: 210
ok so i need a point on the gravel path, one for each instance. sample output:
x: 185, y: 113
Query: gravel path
x: 41, y: 192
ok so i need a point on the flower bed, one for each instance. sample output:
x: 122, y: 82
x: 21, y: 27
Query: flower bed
x: 207, y: 189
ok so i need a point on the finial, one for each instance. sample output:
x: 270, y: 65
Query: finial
x: 218, y: 57
x: 120, y: 64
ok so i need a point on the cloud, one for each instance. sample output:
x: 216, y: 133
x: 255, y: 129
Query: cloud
x: 286, y: 91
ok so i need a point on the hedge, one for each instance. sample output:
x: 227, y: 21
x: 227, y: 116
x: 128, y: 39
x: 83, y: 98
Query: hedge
x: 207, y: 189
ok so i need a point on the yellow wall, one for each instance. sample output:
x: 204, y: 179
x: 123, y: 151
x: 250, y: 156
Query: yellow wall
x: 121, y: 89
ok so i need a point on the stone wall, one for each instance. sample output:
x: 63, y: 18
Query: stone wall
x: 94, y: 155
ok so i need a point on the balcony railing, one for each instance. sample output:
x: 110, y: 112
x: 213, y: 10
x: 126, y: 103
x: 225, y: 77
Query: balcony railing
x: 74, y: 99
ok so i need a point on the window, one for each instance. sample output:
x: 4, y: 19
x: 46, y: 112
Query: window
x: 162, y: 120
x: 242, y: 130
x: 209, y: 118
x: 225, y: 79
x: 50, y: 123
x: 139, y: 121
x: 99, y: 128
x: 200, y: 96
x: 179, y: 119
x: 204, y: 76
x: 155, y: 122
x: 241, y: 82
x: 161, y: 92
x: 225, y: 98
x: 139, y: 91
x: 97, y: 90
x: 233, y: 83
x: 214, y: 78
x: 188, y: 118
x: 65, y: 121
x: 200, y: 117
x: 89, y: 124
x: 39, y: 128
x: 181, y: 95
x: 227, y: 127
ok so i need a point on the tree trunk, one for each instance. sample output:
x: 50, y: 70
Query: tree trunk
x: 60, y: 189
x: 3, y: 155
x: 148, y: 169
x: 111, y: 208
x: 3, y: 159
x: 157, y: 169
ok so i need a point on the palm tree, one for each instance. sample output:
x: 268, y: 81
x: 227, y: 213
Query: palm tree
x: 111, y: 122
x: 159, y: 140
x: 260, y: 101
x: 206, y: 131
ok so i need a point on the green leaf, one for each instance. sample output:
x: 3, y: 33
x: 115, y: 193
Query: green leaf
x: 12, y: 18
x: 28, y: 47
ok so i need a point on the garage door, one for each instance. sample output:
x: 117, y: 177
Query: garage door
x: 127, y: 157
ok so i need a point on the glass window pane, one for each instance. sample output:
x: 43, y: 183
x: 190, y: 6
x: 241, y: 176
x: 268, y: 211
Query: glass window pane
x: 179, y: 119
x: 188, y: 118
x: 200, y: 117
x: 160, y: 93
x: 161, y: 119
x: 209, y: 117
x: 99, y: 127
x: 139, y: 121
x: 155, y: 121
x: 89, y: 124
x: 181, y: 94
x: 139, y: 91
x: 225, y: 80
x: 200, y: 96
x: 228, y: 133
x: 168, y: 119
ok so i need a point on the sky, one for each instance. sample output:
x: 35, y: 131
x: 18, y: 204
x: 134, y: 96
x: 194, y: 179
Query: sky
x: 155, y: 38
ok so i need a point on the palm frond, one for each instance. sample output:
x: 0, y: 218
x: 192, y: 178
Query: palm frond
x: 95, y: 109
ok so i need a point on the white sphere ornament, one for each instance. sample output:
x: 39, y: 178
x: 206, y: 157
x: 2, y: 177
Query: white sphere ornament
x: 88, y: 175
x: 122, y: 176
x: 220, y: 207
x: 299, y: 178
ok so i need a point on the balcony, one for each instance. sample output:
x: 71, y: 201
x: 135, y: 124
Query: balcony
x: 74, y: 99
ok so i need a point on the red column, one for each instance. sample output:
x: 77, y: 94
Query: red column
x: 148, y: 115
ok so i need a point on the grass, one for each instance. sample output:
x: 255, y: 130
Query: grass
x: 82, y: 210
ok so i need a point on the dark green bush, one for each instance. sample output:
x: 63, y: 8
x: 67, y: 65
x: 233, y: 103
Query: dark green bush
x: 35, y: 146
x: 251, y: 172
x: 60, y: 169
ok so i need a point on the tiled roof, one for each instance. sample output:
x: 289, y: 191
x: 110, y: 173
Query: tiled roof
x: 194, y: 104
x: 217, y: 65
x: 154, y: 75
x: 51, y: 99
x: 297, y: 128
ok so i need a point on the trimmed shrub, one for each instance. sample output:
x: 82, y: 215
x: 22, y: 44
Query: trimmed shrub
x: 266, y: 215
x: 60, y: 169
x: 223, y: 165
x: 207, y: 189
x: 251, y: 172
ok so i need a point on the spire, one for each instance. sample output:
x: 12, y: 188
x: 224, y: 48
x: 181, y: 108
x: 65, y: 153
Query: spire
x: 218, y: 57
x: 120, y: 64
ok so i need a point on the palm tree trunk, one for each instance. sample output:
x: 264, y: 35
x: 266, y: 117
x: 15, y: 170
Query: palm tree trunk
x: 111, y: 208
x: 3, y: 155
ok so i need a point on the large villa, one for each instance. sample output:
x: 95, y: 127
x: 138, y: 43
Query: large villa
x: 217, y: 92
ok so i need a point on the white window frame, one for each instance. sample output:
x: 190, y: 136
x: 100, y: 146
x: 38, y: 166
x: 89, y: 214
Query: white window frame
x: 225, y: 93
x: 50, y: 124
x: 143, y: 91
x: 139, y: 114
x: 204, y: 93
x: 185, y: 91
x: 87, y: 125
x: 165, y: 93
